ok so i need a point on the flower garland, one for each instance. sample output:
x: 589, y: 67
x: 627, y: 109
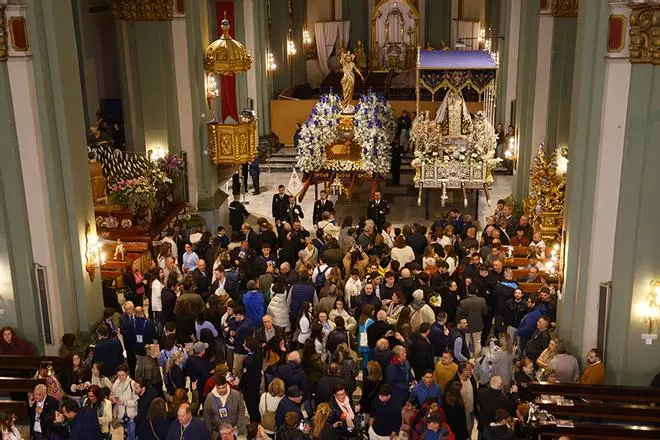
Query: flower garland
x: 373, y: 131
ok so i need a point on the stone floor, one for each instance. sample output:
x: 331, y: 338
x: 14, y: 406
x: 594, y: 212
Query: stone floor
x: 402, y: 199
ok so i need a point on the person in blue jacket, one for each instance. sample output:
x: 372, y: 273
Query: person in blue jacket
x: 425, y: 389
x: 83, y: 423
x: 398, y: 375
x: 528, y: 323
x: 254, y: 304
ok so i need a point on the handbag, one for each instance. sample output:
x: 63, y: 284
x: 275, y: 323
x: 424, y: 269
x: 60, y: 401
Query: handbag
x: 268, y: 417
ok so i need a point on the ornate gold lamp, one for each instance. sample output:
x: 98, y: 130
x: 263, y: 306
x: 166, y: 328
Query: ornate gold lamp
x: 229, y: 144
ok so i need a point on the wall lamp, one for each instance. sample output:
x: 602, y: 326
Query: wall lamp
x: 650, y: 311
x: 94, y: 252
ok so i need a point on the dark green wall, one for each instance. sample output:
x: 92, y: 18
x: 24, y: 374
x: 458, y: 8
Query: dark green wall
x: 637, y: 256
x: 562, y: 60
x: 437, y: 22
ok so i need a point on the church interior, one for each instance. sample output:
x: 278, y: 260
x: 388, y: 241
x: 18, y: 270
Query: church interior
x: 123, y: 119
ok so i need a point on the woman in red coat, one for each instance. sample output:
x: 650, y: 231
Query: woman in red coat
x: 11, y: 344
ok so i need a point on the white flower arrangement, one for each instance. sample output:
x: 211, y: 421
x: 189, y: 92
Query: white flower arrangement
x: 373, y: 131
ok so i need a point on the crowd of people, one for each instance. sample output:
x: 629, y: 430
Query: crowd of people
x: 354, y: 328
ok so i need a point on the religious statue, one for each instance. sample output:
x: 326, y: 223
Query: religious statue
x: 97, y: 179
x: 119, y: 249
x: 360, y: 58
x: 347, y: 63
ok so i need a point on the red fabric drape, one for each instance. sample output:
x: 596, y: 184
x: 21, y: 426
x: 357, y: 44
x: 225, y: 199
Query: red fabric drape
x: 227, y: 83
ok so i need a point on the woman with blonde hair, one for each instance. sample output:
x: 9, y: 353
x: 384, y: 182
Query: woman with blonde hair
x: 173, y: 374
x: 323, y: 430
x: 548, y: 354
x: 370, y: 385
x: 268, y: 404
x: 164, y: 251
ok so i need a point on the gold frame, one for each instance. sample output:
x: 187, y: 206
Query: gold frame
x: 231, y: 144
x: 375, y: 15
x: 11, y: 33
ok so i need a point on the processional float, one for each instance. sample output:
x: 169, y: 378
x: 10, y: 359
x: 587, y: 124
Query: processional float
x: 455, y: 150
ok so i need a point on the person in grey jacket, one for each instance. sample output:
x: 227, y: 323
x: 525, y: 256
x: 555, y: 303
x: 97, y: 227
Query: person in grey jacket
x: 224, y: 405
x: 475, y: 310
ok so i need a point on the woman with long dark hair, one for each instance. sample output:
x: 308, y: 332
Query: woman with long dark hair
x: 76, y: 378
x: 8, y: 428
x: 155, y: 301
x: 305, y: 322
x: 454, y: 408
x: 102, y: 406
x: 366, y: 319
x: 159, y: 422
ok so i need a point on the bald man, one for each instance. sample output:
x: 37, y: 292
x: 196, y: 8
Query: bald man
x: 490, y: 399
x: 41, y: 412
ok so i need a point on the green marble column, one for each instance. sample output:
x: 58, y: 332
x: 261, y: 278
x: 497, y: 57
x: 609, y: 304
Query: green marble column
x: 583, y: 143
x: 501, y: 104
x: 636, y: 259
x: 561, y: 80
x: 438, y: 23
x: 358, y: 14
x: 493, y: 19
x: 59, y: 99
x: 19, y: 306
x: 525, y: 90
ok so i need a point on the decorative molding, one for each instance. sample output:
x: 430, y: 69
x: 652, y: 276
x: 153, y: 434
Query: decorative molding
x: 142, y: 10
x: 645, y: 33
x: 616, y: 36
x: 564, y: 8
x: 4, y: 47
x: 18, y: 34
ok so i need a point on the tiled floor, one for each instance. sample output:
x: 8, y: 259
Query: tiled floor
x: 402, y: 199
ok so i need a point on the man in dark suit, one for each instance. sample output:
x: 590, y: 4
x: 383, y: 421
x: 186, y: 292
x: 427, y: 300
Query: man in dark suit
x: 251, y: 237
x: 144, y: 333
x: 128, y: 329
x: 146, y: 395
x: 41, y: 412
x: 377, y: 210
x: 108, y: 351
x: 268, y: 331
x: 293, y: 211
x: 320, y: 206
x: 83, y: 422
x: 201, y: 279
x: 280, y: 203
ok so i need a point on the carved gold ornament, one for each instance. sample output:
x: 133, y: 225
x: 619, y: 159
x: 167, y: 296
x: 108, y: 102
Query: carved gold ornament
x: 564, y: 8
x: 645, y: 33
x: 225, y: 55
x: 231, y: 144
x: 142, y: 10
x: 4, y: 51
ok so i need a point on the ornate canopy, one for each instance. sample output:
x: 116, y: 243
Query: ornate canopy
x: 456, y: 69
x: 225, y: 55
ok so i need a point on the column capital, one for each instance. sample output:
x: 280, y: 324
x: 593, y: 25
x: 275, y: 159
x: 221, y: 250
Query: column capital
x: 145, y: 10
x: 564, y: 8
x: 645, y: 32
x: 16, y: 31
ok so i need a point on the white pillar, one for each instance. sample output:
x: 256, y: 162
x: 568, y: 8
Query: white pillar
x: 608, y: 177
x: 184, y: 99
x: 513, y: 34
x: 542, y: 89
x: 26, y: 112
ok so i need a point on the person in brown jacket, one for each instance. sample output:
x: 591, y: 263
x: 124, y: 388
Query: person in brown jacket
x: 594, y: 372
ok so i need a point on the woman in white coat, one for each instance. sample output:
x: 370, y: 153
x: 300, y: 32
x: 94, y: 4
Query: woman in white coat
x: 279, y: 305
x: 124, y: 401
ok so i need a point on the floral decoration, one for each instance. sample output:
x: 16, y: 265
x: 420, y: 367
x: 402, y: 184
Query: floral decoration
x: 143, y: 194
x: 373, y: 131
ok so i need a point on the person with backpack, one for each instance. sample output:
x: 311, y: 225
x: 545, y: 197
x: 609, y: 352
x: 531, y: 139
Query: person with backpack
x: 320, y: 273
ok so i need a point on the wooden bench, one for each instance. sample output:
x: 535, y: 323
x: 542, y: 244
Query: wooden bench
x: 602, y: 393
x: 18, y: 407
x: 594, y: 431
x: 29, y: 363
x: 604, y: 411
x: 528, y: 288
x: 18, y: 384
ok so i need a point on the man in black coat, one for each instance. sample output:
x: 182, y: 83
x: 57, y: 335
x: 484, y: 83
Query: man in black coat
x: 280, y: 202
x: 41, y: 412
x: 251, y: 237
x: 201, y: 279
x: 146, y: 395
x: 327, y: 383
x: 378, y: 210
x: 421, y: 351
x: 320, y: 206
x: 237, y: 214
x: 489, y: 399
x: 108, y: 351
x: 83, y: 422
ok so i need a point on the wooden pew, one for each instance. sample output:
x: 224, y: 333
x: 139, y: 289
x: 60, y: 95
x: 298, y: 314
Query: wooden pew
x: 528, y: 288
x: 603, y: 393
x: 18, y: 407
x: 29, y: 363
x: 18, y: 384
x: 594, y: 431
x: 604, y: 411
